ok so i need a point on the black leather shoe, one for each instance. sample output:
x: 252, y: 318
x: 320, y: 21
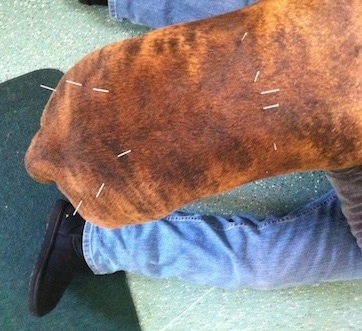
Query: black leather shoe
x: 94, y: 2
x: 59, y: 259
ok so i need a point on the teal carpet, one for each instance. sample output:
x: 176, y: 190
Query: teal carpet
x: 100, y: 303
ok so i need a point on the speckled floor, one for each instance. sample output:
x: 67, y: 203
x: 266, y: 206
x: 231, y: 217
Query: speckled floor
x: 56, y: 33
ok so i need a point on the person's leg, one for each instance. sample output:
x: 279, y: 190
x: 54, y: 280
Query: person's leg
x: 159, y: 13
x: 312, y: 245
x: 309, y: 246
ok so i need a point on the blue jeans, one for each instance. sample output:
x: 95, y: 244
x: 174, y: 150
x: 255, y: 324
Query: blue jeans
x: 158, y: 13
x: 311, y: 245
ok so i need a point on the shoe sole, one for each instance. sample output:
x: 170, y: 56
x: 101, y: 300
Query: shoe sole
x: 52, y: 228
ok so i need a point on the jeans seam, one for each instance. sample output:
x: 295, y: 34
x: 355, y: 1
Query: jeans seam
x: 217, y: 228
x: 311, y: 209
x: 250, y: 224
x: 87, y: 248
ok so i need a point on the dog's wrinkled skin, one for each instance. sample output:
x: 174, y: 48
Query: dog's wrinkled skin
x: 184, y: 100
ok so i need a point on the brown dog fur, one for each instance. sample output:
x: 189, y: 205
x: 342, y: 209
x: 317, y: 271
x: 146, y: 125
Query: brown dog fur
x: 184, y: 100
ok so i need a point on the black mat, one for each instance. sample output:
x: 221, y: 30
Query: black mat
x: 91, y: 302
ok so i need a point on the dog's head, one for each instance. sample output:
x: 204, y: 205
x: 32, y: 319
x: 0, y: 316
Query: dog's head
x: 185, y: 102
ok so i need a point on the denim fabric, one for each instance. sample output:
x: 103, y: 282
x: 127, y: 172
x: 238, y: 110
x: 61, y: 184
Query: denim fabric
x: 309, y: 246
x: 158, y: 13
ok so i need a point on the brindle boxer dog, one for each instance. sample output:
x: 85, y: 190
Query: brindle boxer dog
x: 205, y: 107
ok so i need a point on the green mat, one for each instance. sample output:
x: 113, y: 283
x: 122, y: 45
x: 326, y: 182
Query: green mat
x: 90, y: 303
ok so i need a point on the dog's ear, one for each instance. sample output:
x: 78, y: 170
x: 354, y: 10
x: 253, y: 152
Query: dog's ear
x: 37, y: 159
x: 43, y: 161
